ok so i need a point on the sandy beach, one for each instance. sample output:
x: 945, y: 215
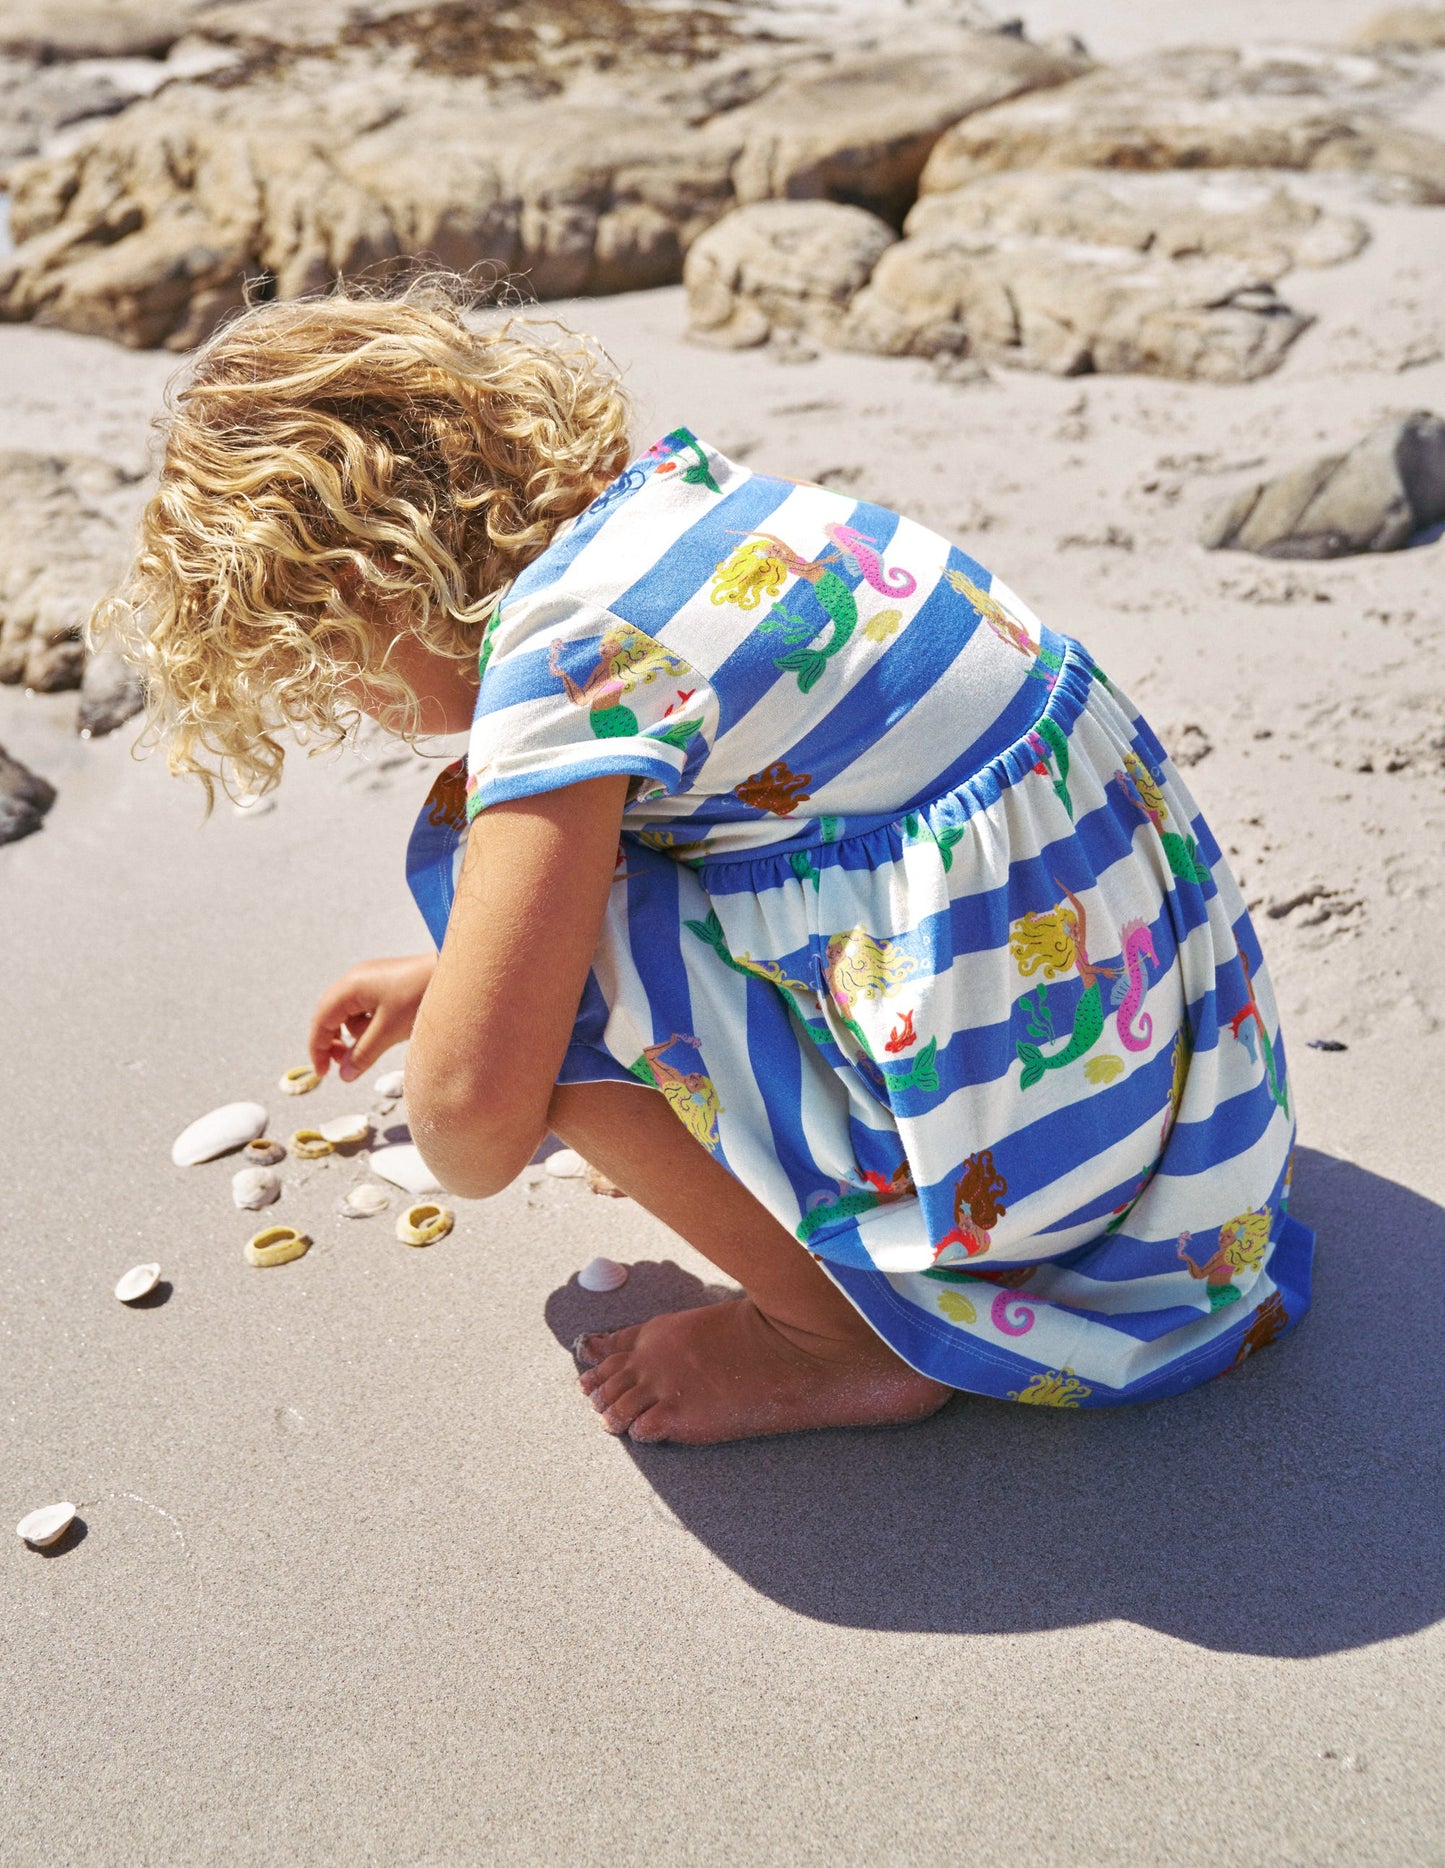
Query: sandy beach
x: 360, y: 1576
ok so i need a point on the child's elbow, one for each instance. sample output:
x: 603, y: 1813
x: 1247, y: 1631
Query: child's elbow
x: 474, y: 1148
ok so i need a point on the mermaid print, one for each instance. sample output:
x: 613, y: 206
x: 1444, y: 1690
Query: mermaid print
x: 1248, y: 1025
x: 1242, y: 1245
x: 627, y: 658
x: 1142, y: 790
x: 691, y: 1095
x: 1054, y: 943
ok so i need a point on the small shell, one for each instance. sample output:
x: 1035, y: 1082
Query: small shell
x: 309, y: 1145
x: 365, y: 1201
x: 299, y: 1080
x: 343, y: 1129
x: 392, y: 1085
x: 403, y: 1166
x: 602, y: 1274
x: 566, y: 1164
x: 46, y: 1526
x: 218, y: 1133
x: 254, y: 1187
x: 276, y: 1245
x: 137, y: 1283
x: 425, y: 1223
x: 597, y: 1182
x: 264, y: 1153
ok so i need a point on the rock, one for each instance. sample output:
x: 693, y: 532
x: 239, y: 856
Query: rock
x: 63, y: 524
x: 43, y: 29
x: 1374, y: 497
x: 1170, y: 214
x: 1070, y: 309
x: 860, y: 130
x: 1269, y: 108
x: 780, y: 266
x: 1403, y: 28
x: 24, y: 799
x: 110, y: 694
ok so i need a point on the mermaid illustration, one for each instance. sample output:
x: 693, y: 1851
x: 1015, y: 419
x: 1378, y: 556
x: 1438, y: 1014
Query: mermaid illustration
x: 691, y: 1095
x: 1007, y: 628
x: 1242, y: 1245
x: 627, y: 658
x: 859, y: 968
x: 978, y: 1197
x: 1248, y: 1025
x: 1142, y: 790
x: 1054, y: 943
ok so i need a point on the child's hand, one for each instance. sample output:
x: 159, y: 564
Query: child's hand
x: 375, y: 1006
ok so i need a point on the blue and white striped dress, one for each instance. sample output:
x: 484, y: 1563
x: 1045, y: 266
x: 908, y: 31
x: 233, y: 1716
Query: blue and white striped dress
x: 915, y: 927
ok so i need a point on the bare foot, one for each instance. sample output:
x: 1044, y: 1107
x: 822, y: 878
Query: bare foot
x: 727, y: 1372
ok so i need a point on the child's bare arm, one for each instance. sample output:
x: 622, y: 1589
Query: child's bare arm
x: 498, y: 1015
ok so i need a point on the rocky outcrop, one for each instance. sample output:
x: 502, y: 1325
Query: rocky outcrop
x: 470, y: 136
x: 63, y: 526
x: 1403, y: 29
x: 1374, y: 497
x: 782, y: 266
x: 24, y: 799
x: 1206, y: 109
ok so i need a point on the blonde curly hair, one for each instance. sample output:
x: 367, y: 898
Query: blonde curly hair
x: 328, y: 464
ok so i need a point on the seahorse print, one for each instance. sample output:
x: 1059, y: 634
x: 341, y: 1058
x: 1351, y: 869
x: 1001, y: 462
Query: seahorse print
x: 1129, y: 990
x: 627, y: 658
x: 1248, y: 1026
x: 1142, y: 790
x: 856, y: 551
x: 1052, y: 944
x: 691, y: 1095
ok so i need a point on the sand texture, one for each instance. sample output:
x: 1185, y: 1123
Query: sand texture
x: 359, y: 1577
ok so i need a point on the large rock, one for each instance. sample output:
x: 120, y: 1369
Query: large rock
x: 1070, y: 309
x: 1385, y: 488
x: 1206, y: 109
x: 63, y: 529
x: 65, y: 29
x: 1403, y: 28
x: 24, y: 799
x: 781, y: 266
x: 424, y: 133
x: 861, y: 129
x: 1170, y: 214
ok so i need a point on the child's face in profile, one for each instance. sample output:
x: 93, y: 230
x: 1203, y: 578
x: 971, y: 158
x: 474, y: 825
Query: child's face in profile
x: 445, y: 689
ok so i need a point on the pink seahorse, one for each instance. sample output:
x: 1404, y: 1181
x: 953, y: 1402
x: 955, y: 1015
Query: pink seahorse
x: 1130, y: 991
x: 1019, y: 1323
x: 855, y: 546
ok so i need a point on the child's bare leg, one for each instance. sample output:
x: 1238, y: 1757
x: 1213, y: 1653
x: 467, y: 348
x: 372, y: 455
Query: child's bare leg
x: 793, y: 1353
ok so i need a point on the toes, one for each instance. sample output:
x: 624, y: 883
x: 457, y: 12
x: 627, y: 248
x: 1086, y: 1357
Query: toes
x: 648, y: 1425
x: 590, y: 1350
x: 633, y: 1399
x: 611, y: 1380
x: 590, y: 1380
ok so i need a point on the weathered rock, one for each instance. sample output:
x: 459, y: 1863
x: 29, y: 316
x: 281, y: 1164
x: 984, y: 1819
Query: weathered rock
x: 46, y: 30
x: 860, y: 130
x: 1170, y: 214
x: 1403, y: 28
x: 425, y: 133
x: 24, y: 799
x: 1054, y: 305
x: 110, y: 694
x: 1206, y: 109
x: 62, y: 540
x: 1373, y: 497
x: 780, y: 266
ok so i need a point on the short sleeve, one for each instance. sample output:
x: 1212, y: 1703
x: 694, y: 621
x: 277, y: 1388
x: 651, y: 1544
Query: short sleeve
x: 568, y: 692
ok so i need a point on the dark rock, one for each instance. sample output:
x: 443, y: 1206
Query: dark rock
x: 24, y: 799
x: 110, y: 694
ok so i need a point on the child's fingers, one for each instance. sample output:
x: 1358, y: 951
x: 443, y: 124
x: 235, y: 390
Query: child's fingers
x: 339, y: 1007
x: 380, y: 1034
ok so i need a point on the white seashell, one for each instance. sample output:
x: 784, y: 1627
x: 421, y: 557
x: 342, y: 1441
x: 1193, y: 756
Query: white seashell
x: 342, y: 1129
x: 602, y: 1274
x: 255, y: 1187
x: 46, y: 1526
x: 264, y: 1152
x: 566, y: 1164
x: 218, y: 1133
x: 392, y: 1085
x: 365, y: 1201
x: 137, y: 1283
x: 299, y: 1080
x: 403, y: 1166
x: 425, y: 1223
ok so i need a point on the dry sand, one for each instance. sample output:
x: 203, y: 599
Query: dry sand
x: 363, y: 1579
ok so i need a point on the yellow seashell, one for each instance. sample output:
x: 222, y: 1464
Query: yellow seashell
x: 309, y: 1145
x: 1104, y: 1069
x: 425, y: 1223
x: 299, y: 1080
x: 276, y: 1245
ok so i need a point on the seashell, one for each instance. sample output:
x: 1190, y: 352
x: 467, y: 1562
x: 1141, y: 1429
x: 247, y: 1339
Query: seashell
x: 299, y: 1080
x: 403, y: 1166
x: 218, y: 1133
x: 46, y: 1526
x: 342, y: 1129
x: 137, y: 1283
x: 264, y: 1152
x: 254, y: 1187
x: 365, y: 1201
x: 602, y: 1274
x: 309, y: 1145
x: 425, y: 1223
x: 276, y: 1245
x: 566, y: 1164
x: 392, y: 1085
x: 597, y: 1182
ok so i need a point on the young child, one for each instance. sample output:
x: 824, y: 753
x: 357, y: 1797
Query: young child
x: 847, y: 917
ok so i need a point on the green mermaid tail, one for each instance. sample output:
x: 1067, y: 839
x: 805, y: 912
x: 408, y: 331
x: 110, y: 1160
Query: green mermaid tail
x: 679, y: 733
x: 1054, y: 737
x: 921, y: 1074
x: 808, y: 663
x: 613, y: 722
x: 1184, y: 858
x: 804, y: 868
x: 1088, y: 1028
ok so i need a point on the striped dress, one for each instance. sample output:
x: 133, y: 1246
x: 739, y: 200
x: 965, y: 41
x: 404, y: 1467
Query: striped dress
x: 915, y: 927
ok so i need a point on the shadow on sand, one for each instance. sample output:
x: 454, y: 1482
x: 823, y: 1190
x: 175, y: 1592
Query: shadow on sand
x: 1292, y: 1509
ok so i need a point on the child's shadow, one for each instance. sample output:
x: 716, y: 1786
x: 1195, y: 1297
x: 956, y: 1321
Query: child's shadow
x: 1291, y: 1509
